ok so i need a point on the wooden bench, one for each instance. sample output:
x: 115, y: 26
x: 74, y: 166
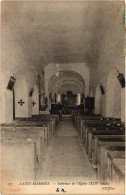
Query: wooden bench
x: 51, y: 116
x: 104, y: 145
x: 37, y: 122
x: 100, y: 120
x: 49, y: 121
x: 57, y: 112
x: 118, y: 171
x: 98, y: 125
x: 44, y: 127
x: 90, y: 142
x: 100, y: 130
x: 18, y: 162
x: 27, y: 135
x: 46, y: 118
x: 116, y: 166
x: 81, y: 119
x: 95, y: 140
x: 94, y: 127
x: 31, y: 131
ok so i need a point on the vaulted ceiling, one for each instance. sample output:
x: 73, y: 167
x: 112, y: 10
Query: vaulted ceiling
x: 55, y: 32
x: 63, y: 81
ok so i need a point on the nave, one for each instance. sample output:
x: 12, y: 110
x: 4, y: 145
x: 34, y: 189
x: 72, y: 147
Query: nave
x: 65, y: 157
x: 62, y: 93
x: 47, y: 146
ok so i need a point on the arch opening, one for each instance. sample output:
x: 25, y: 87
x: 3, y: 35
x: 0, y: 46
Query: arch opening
x: 21, y: 97
x: 13, y: 105
x: 63, y: 81
x: 35, y: 100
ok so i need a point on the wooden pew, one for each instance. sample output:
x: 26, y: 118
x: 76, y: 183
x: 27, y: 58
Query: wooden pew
x: 52, y: 116
x: 95, y: 140
x: 99, y: 120
x: 18, y: 162
x: 118, y: 171
x: 98, y: 125
x: 49, y: 122
x: 100, y: 130
x: 81, y: 118
x: 45, y: 126
x: 27, y: 135
x: 41, y: 132
x: 85, y: 121
x: 115, y: 166
x: 29, y: 130
x: 105, y: 145
x: 53, y: 119
x: 90, y: 142
x: 36, y: 121
x: 57, y: 112
x: 41, y: 128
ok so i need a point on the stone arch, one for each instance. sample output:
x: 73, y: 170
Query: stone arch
x: 2, y: 100
x: 80, y: 68
x: 70, y: 79
x: 98, y: 100
x: 70, y: 87
x: 113, y: 95
x: 35, y: 100
x: 13, y: 104
x: 6, y: 99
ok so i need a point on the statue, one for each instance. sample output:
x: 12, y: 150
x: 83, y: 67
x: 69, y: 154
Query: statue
x: 46, y: 102
x: 55, y: 96
x: 50, y: 97
x: 82, y: 98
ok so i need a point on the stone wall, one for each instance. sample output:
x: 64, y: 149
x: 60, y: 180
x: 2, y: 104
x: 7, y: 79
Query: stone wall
x: 110, y: 59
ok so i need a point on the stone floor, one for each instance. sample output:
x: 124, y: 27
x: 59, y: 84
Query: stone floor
x: 65, y: 157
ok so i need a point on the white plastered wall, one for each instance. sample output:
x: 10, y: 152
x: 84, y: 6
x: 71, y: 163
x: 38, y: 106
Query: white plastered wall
x: 98, y: 100
x: 114, y: 106
x: 21, y: 93
x: 35, y: 101
x: 6, y: 99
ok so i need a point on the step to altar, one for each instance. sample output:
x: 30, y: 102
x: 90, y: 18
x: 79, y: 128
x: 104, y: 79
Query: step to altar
x: 66, y: 116
x: 44, y: 112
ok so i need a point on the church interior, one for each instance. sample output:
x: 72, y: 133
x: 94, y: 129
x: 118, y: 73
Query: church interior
x: 62, y: 93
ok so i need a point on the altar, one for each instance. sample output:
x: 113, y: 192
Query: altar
x: 68, y: 99
x: 68, y: 103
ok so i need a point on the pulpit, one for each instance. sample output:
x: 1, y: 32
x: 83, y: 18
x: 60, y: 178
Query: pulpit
x: 89, y: 104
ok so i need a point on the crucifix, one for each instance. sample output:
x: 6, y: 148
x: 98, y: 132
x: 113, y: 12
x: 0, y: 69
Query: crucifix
x: 33, y: 103
x: 21, y: 102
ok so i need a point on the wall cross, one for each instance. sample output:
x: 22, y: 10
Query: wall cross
x: 21, y: 102
x: 33, y: 103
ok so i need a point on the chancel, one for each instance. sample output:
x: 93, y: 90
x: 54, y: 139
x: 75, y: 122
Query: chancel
x: 62, y: 113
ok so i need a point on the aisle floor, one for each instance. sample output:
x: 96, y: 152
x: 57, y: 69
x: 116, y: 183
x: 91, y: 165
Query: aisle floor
x: 65, y: 157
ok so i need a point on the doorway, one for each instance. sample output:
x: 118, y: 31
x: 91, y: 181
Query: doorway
x: 13, y: 105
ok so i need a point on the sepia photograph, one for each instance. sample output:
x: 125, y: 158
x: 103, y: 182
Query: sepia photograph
x: 62, y: 97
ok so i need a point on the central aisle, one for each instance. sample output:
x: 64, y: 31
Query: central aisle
x: 65, y: 158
